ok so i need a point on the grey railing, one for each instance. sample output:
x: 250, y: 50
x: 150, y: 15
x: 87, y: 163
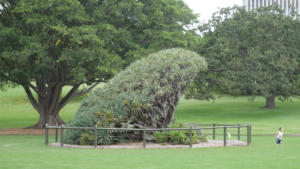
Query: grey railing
x: 213, y: 127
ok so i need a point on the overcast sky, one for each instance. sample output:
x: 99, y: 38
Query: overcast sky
x: 207, y: 7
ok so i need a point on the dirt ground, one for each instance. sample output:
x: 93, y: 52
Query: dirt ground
x: 25, y: 131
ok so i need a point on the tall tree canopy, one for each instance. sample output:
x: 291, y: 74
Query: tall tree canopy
x: 47, y: 45
x: 250, y: 53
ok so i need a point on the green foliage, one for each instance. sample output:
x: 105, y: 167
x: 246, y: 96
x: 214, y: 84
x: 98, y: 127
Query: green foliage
x: 86, y: 139
x: 177, y: 124
x: 178, y: 136
x: 72, y: 34
x: 250, y: 53
x: 202, y: 139
x: 46, y: 45
x: 133, y: 98
x: 161, y: 137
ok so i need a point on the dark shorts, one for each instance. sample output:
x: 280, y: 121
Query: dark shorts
x: 278, y: 141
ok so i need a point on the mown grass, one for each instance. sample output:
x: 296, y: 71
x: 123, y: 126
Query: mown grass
x: 16, y: 111
x: 29, y: 152
x: 239, y: 109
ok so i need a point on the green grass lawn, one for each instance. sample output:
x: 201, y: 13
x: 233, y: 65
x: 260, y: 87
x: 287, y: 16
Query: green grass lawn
x: 239, y: 109
x: 29, y: 152
x: 16, y: 111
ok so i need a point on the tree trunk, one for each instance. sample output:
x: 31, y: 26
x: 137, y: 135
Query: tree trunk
x: 49, y: 102
x: 49, y: 118
x: 270, y: 102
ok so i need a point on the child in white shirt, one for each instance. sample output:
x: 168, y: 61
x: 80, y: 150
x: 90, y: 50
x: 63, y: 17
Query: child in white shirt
x: 279, y: 136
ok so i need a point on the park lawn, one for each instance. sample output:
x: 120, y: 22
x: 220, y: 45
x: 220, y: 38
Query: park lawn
x: 16, y: 111
x: 28, y: 152
x: 240, y: 110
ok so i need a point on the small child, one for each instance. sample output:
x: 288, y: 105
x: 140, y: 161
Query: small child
x: 279, y: 136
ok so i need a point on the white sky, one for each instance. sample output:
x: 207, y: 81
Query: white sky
x: 207, y: 7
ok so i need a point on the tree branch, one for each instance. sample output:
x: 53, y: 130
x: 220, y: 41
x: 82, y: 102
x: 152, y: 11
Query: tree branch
x: 33, y: 87
x: 83, y: 92
x: 31, y: 98
x: 7, y: 78
x: 68, y: 97
x: 53, y: 101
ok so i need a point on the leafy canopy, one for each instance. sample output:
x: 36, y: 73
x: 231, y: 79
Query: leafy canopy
x: 250, y: 52
x: 46, y: 45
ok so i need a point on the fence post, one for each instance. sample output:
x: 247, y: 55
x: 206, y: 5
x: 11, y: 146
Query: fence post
x: 96, y: 136
x: 214, y: 131
x: 248, y: 134
x: 144, y: 137
x: 239, y: 131
x: 46, y: 134
x: 62, y: 135
x: 191, y: 135
x: 56, y: 133
x: 225, y: 132
x: 199, y: 132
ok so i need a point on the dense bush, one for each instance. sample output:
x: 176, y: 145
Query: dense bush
x: 178, y: 136
x: 143, y: 95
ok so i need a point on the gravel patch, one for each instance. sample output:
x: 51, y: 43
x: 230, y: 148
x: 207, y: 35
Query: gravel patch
x: 210, y: 143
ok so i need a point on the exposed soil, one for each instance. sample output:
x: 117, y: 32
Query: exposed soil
x: 25, y: 131
x: 210, y: 143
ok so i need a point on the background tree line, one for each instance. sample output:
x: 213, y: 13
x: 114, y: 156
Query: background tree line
x: 252, y: 53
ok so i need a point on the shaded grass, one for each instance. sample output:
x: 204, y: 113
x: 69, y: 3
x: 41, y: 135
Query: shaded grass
x: 26, y: 152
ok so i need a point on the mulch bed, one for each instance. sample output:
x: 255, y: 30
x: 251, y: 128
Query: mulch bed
x: 25, y: 131
x: 210, y: 143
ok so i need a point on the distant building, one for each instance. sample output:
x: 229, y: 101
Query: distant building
x: 286, y: 5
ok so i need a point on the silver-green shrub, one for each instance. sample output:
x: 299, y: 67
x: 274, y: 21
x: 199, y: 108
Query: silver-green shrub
x: 143, y: 95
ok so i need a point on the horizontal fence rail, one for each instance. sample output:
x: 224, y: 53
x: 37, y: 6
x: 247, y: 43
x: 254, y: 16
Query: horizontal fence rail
x: 215, y: 126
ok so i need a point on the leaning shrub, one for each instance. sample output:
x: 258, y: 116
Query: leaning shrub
x: 143, y: 95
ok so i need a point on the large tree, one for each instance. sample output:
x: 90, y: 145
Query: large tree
x: 250, y: 53
x: 47, y: 45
